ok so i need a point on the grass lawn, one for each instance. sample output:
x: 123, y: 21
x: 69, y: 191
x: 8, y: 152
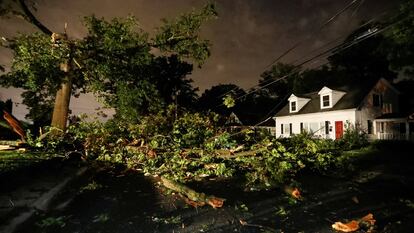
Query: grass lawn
x: 15, y: 160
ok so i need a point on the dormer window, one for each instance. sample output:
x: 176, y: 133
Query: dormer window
x: 293, y: 106
x: 297, y: 103
x: 326, y: 101
x: 329, y: 97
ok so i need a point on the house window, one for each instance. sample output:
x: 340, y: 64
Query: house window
x: 369, y: 122
x: 281, y: 128
x: 377, y: 100
x: 301, y: 127
x: 290, y: 129
x: 306, y: 127
x: 293, y: 106
x: 326, y: 127
x: 325, y: 101
x: 287, y: 129
x: 313, y: 127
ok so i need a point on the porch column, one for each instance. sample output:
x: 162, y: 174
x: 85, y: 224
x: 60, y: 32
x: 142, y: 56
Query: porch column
x: 407, y: 131
x: 374, y: 127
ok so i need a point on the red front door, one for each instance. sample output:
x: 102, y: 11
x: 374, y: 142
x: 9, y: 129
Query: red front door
x: 339, y: 129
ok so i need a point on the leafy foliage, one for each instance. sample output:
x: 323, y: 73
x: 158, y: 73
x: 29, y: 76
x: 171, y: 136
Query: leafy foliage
x: 229, y: 101
x: 192, y: 130
x: 180, y: 35
x: 126, y: 68
x: 194, y: 147
x: 401, y: 38
x: 35, y: 69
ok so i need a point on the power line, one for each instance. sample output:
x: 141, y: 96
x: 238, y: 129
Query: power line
x: 339, y: 38
x: 298, y: 43
x: 326, y: 23
x: 336, y: 49
x: 330, y: 51
x: 336, y: 40
x: 357, y: 8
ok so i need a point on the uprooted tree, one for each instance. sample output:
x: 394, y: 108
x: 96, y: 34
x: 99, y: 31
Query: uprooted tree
x: 116, y: 61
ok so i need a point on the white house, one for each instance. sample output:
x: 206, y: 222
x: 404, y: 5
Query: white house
x: 373, y: 108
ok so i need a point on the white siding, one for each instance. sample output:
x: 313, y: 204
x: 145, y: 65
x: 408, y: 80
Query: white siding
x: 315, y: 120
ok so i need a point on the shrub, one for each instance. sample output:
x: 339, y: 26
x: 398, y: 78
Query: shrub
x: 193, y: 129
x: 354, y: 137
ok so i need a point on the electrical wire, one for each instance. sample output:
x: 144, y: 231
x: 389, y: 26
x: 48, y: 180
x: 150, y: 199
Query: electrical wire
x: 326, y: 23
x: 335, y: 50
x: 330, y: 51
x: 298, y: 43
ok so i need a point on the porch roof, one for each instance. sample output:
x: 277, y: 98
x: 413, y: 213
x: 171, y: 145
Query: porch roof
x: 392, y: 117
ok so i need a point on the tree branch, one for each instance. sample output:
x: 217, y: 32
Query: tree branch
x: 32, y: 19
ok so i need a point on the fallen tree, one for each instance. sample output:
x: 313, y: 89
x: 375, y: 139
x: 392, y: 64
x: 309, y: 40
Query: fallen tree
x: 184, y: 152
x: 15, y: 125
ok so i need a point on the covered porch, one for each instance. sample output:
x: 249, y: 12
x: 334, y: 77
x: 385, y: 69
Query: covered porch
x: 394, y: 128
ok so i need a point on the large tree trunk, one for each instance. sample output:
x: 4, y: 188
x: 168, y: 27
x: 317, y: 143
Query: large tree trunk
x: 62, y: 101
x: 61, y: 108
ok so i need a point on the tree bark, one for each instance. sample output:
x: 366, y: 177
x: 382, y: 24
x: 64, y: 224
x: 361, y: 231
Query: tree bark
x: 62, y: 100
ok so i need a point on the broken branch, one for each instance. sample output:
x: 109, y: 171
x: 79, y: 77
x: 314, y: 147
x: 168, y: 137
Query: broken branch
x: 194, y: 198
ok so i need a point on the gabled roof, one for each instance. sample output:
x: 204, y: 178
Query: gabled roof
x: 293, y: 96
x: 355, y: 94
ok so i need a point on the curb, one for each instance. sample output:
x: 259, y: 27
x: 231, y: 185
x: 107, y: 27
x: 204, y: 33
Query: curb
x: 42, y: 203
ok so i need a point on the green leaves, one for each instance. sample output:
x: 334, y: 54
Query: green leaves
x: 36, y: 63
x: 229, y: 101
x: 192, y: 130
x: 180, y: 36
x: 128, y: 76
x: 400, y: 36
x: 116, y: 61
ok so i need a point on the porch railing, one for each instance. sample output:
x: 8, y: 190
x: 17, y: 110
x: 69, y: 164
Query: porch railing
x: 395, y: 136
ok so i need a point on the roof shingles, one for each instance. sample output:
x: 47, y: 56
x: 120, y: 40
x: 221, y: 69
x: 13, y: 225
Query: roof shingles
x: 353, y: 98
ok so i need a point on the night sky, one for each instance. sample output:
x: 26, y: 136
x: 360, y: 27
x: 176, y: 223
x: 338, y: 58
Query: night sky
x: 246, y: 38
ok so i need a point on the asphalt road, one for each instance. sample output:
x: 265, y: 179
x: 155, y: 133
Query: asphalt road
x: 115, y: 200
